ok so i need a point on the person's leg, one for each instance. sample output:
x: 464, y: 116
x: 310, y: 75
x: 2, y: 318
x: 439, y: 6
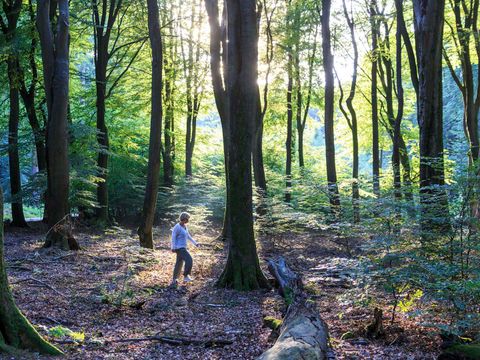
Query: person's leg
x: 178, y: 265
x: 188, y: 262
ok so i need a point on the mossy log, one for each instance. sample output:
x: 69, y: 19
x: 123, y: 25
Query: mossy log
x: 303, y: 334
x: 461, y: 352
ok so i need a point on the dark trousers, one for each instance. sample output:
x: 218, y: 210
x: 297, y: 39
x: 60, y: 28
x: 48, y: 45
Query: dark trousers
x: 183, y: 256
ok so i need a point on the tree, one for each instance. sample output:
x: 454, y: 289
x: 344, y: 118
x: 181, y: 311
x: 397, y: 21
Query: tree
x: 462, y: 33
x: 329, y: 107
x: 194, y: 78
x: 104, y: 17
x: 169, y: 93
x: 16, y: 332
x: 12, y: 12
x: 428, y: 21
x: 242, y: 271
x: 352, y: 118
x: 374, y: 98
x: 217, y: 63
x: 155, y: 145
x: 390, y: 92
x: 55, y: 56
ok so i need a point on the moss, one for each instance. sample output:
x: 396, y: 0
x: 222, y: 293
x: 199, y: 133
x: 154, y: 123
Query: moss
x: 272, y: 323
x: 348, y: 335
x: 289, y: 296
x: 468, y: 352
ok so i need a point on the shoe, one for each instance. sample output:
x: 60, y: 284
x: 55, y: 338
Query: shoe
x: 187, y: 279
x: 174, y: 283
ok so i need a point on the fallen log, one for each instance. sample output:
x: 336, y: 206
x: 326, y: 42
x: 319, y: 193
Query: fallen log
x: 303, y: 334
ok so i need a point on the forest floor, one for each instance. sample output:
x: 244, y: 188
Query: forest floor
x: 117, y: 295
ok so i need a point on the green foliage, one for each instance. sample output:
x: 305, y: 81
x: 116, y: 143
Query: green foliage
x: 61, y: 332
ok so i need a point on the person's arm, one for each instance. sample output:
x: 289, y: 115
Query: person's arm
x: 174, y: 237
x: 189, y: 237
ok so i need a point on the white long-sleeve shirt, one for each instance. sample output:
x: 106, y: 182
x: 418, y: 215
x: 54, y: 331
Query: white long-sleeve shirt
x: 180, y: 235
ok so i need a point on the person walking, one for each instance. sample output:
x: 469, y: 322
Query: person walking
x: 180, y: 236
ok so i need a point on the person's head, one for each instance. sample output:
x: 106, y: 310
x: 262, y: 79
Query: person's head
x: 184, y: 217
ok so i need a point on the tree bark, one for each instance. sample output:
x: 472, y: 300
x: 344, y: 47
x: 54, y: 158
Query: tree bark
x: 304, y: 335
x: 15, y: 330
x: 429, y: 20
x: 151, y: 190
x: 352, y: 118
x: 288, y: 141
x: 103, y: 22
x: 242, y: 271
x: 18, y: 217
x: 55, y: 56
x: 374, y: 100
x: 12, y: 13
x: 329, y: 109
x: 217, y: 62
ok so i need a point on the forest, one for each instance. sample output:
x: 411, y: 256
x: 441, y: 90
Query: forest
x: 324, y: 155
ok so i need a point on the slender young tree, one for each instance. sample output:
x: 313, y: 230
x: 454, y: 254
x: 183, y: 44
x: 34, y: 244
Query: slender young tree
x: 428, y: 21
x: 55, y: 56
x: 169, y: 94
x: 464, y: 33
x: 151, y: 190
x: 390, y: 93
x: 374, y: 98
x: 194, y: 73
x: 242, y: 271
x: 329, y: 107
x: 351, y: 117
x: 106, y: 46
x: 11, y: 11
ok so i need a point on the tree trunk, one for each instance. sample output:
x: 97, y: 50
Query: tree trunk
x: 102, y: 134
x: 257, y: 151
x: 304, y: 335
x: 55, y: 56
x: 329, y: 109
x: 18, y: 217
x: 217, y: 63
x: 15, y: 330
x: 428, y: 20
x: 374, y: 100
x: 242, y: 271
x: 352, y: 120
x: 288, y: 141
x: 151, y: 191
x: 12, y: 12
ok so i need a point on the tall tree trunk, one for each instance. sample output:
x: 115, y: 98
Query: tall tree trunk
x: 217, y: 63
x: 18, y: 217
x: 151, y: 190
x: 329, y: 109
x: 288, y: 141
x: 12, y: 12
x: 352, y: 119
x: 15, y: 330
x: 374, y: 100
x: 428, y: 20
x: 104, y: 18
x: 102, y: 134
x: 242, y: 271
x: 55, y: 56
x: 400, y: 104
